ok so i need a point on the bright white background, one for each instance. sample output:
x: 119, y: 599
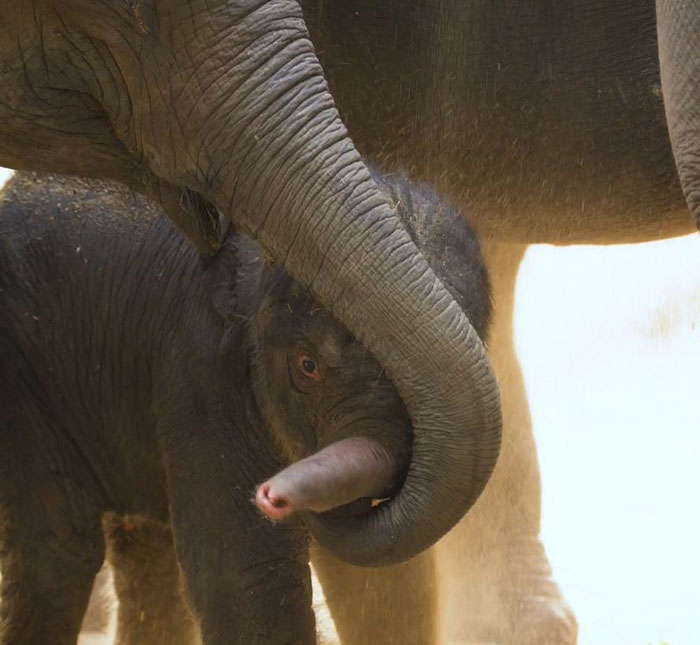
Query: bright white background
x: 609, y: 339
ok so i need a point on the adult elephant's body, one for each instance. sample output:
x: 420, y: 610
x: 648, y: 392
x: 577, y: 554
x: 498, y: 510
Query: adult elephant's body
x: 544, y: 120
x: 547, y: 122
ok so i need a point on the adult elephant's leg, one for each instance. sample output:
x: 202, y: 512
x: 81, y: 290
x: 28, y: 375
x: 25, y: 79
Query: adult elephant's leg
x: 679, y: 53
x: 392, y: 606
x: 496, y: 582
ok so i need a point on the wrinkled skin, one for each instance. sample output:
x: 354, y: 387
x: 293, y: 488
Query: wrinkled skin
x: 135, y: 372
x: 567, y: 122
x: 562, y: 123
x: 546, y: 123
x: 220, y: 110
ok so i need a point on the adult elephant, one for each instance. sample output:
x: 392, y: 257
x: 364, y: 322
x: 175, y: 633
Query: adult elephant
x: 222, y: 108
x: 546, y: 122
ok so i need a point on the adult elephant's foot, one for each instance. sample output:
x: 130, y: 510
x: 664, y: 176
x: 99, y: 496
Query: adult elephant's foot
x: 539, y: 613
x: 541, y: 621
x: 495, y: 582
x: 520, y: 605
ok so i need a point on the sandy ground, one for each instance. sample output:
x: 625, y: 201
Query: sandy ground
x: 609, y: 339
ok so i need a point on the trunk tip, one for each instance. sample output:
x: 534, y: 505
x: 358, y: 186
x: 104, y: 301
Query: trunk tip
x: 273, y: 506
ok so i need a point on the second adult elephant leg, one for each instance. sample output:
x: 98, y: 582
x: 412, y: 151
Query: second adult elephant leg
x: 496, y: 583
x: 389, y: 606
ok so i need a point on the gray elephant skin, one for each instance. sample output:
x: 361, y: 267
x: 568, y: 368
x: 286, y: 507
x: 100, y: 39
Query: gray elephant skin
x: 134, y: 372
x: 547, y: 122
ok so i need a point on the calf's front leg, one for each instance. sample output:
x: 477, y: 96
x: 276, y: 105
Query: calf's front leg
x: 246, y: 580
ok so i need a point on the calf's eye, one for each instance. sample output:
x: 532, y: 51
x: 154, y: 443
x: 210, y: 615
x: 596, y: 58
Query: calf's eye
x: 308, y: 366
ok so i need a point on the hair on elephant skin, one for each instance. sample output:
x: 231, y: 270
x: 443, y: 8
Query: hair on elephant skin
x: 212, y: 395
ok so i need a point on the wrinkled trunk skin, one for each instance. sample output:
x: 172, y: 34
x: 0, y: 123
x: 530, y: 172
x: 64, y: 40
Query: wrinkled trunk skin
x: 227, y: 100
x: 679, y: 52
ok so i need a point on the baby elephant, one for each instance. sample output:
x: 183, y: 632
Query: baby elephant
x: 209, y: 395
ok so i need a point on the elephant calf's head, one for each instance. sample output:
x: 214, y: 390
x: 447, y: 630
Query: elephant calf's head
x: 336, y: 414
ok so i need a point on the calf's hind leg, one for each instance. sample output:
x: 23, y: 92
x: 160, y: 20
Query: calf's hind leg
x: 51, y: 548
x: 152, y: 610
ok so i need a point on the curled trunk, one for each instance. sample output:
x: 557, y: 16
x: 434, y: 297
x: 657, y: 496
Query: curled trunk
x: 348, y: 245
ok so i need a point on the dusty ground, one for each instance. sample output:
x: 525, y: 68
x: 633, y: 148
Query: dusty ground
x: 610, y: 345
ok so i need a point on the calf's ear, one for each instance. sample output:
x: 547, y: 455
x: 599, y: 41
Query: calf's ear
x: 446, y: 240
x: 232, y: 282
x: 232, y: 277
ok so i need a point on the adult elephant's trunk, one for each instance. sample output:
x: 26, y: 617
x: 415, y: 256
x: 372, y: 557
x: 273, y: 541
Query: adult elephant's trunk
x: 290, y: 174
x: 255, y: 131
x: 368, y: 272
